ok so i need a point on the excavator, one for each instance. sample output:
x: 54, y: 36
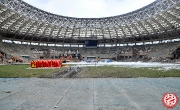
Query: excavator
x: 1, y: 56
x: 18, y: 59
x: 66, y: 59
x: 4, y: 59
x: 12, y: 59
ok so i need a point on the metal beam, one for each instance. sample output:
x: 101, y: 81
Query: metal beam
x: 15, y: 23
x: 13, y: 16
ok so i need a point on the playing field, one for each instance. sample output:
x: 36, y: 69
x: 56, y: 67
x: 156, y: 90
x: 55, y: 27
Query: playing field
x: 96, y: 70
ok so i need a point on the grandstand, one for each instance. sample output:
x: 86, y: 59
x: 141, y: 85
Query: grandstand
x: 151, y: 33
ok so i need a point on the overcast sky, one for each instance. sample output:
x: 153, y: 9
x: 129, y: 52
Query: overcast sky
x: 89, y: 8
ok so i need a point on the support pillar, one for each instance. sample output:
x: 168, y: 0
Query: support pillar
x: 0, y: 39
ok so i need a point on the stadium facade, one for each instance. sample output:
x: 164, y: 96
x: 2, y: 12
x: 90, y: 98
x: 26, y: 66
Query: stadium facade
x: 113, y: 37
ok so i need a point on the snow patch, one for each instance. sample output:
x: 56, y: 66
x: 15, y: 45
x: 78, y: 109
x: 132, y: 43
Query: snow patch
x: 151, y: 65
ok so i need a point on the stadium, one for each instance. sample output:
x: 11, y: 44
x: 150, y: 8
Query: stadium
x: 150, y: 32
x: 147, y: 39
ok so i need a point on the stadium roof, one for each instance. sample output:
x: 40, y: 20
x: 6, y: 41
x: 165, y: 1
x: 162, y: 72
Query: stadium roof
x: 89, y: 8
x: 158, y: 20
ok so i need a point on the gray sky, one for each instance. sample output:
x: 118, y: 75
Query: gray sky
x: 89, y: 8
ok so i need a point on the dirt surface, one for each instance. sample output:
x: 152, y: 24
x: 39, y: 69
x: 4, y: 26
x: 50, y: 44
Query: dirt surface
x: 86, y: 93
x: 71, y: 72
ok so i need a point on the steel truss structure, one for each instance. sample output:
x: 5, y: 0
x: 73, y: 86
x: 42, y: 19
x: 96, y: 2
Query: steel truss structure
x: 157, y: 21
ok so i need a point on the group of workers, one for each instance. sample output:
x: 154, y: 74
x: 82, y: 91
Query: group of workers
x: 46, y: 63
